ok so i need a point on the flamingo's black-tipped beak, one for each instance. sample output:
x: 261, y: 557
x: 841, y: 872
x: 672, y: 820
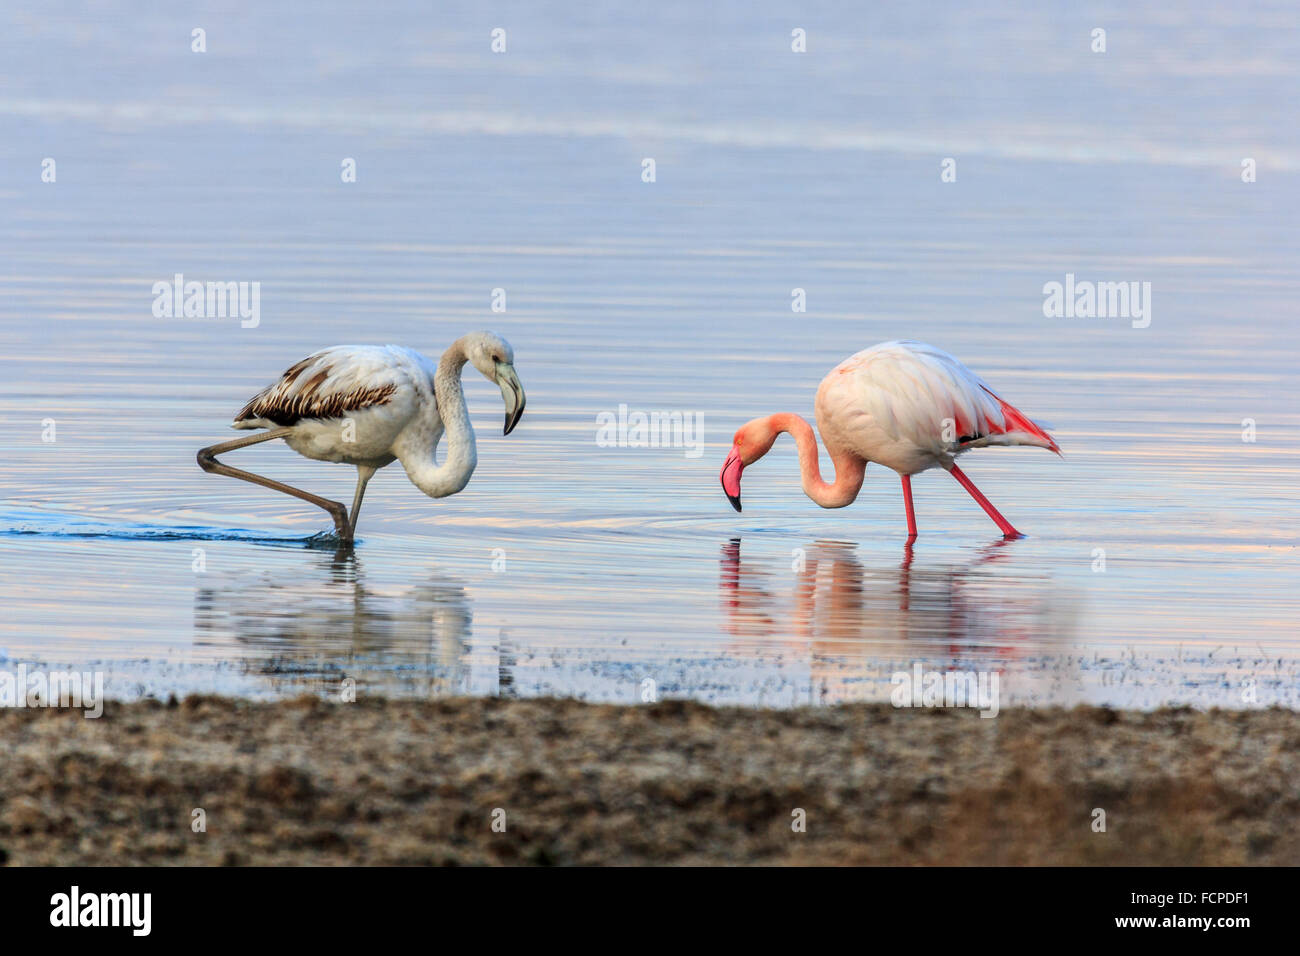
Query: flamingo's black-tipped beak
x: 513, y: 394
x: 512, y: 417
x: 730, y: 476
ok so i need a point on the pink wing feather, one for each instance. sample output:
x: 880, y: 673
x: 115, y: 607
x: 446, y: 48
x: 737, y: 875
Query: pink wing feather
x: 910, y: 389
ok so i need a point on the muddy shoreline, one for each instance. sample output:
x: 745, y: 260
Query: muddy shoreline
x: 415, y: 782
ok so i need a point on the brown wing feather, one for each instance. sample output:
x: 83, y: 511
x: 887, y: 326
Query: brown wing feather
x: 288, y: 401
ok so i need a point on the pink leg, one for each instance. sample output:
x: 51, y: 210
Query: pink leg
x: 907, y: 500
x: 984, y: 503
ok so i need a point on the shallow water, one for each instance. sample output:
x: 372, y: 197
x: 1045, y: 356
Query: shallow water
x: 575, y: 569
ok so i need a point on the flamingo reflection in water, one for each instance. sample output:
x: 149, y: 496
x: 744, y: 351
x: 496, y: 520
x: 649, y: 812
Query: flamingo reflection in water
x: 854, y: 626
x: 309, y: 629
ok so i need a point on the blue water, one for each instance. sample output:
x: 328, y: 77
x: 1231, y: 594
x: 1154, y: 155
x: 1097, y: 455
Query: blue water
x: 571, y: 568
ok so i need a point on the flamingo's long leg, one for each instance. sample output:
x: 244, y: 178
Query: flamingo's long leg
x: 364, y: 474
x: 907, y: 500
x: 208, y: 462
x: 984, y: 503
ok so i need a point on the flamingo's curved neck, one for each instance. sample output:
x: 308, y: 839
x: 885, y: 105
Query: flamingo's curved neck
x: 849, y: 468
x: 438, y: 481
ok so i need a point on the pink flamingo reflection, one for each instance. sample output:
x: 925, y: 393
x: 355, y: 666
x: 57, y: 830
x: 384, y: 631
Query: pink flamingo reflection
x: 852, y: 624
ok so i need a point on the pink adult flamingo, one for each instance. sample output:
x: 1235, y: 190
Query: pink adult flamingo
x: 905, y: 405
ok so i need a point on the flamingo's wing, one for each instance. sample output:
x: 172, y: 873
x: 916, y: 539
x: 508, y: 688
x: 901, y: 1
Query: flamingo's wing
x: 329, y: 384
x: 921, y: 394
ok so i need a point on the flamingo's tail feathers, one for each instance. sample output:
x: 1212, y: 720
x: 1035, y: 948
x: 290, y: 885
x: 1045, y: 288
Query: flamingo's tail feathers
x: 1018, y: 429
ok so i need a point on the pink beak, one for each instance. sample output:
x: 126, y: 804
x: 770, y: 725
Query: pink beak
x: 731, y: 470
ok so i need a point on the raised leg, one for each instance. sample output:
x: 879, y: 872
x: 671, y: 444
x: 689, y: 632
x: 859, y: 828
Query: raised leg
x: 208, y: 462
x: 907, y: 500
x: 984, y: 503
x: 364, y: 474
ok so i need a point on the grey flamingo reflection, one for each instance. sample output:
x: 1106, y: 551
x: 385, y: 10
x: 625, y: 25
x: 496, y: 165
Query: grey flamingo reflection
x: 309, y: 629
x: 855, y: 626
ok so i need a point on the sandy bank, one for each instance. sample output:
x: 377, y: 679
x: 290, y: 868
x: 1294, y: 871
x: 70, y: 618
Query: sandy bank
x: 418, y: 782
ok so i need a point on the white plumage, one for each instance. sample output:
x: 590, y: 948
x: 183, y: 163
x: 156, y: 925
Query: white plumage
x: 380, y: 388
x: 370, y: 405
x: 911, y: 407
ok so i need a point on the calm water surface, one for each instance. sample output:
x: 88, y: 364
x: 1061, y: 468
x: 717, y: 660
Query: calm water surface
x: 1161, y: 562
